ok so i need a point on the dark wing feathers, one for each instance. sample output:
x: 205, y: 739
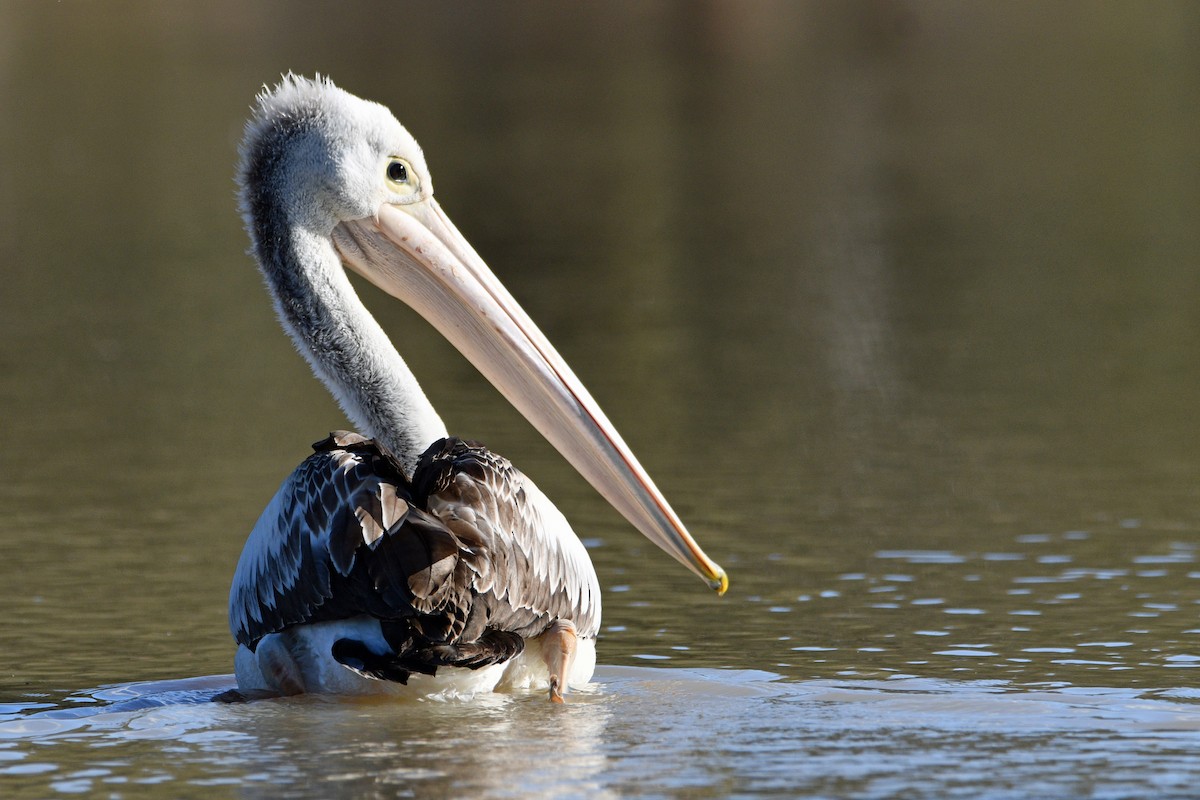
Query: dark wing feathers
x: 521, y: 557
x: 294, y: 566
x: 411, y: 565
x: 460, y: 563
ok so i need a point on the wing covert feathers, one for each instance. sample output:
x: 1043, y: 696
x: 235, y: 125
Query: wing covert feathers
x: 459, y: 562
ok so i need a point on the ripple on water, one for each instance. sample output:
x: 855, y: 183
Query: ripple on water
x: 978, y: 595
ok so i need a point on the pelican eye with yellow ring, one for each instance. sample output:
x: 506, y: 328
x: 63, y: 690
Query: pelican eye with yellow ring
x: 400, y: 176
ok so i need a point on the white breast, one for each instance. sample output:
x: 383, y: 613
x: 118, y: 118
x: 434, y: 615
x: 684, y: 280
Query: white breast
x: 300, y: 658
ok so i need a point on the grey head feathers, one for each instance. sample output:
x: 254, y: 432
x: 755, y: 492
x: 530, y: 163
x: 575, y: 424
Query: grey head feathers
x: 321, y: 150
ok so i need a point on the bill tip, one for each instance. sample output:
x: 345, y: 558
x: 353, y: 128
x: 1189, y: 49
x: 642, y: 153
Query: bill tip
x: 720, y: 583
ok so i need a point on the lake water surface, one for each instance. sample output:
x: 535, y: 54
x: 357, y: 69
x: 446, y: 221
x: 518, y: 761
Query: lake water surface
x: 896, y: 301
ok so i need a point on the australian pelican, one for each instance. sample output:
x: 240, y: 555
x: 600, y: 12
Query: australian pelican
x: 403, y: 559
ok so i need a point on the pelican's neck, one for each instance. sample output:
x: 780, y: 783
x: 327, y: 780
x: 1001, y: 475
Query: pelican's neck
x: 344, y: 344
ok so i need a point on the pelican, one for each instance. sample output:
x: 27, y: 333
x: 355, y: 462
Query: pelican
x: 401, y: 559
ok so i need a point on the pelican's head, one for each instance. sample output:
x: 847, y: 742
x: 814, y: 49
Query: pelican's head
x: 330, y: 156
x: 343, y: 169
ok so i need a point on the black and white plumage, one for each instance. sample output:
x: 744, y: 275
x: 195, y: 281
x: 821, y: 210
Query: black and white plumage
x: 410, y: 560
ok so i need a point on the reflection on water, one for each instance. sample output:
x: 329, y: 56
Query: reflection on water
x: 637, y: 731
x: 896, y: 301
x: 1073, y: 608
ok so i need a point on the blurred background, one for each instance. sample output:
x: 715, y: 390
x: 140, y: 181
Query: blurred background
x: 896, y: 300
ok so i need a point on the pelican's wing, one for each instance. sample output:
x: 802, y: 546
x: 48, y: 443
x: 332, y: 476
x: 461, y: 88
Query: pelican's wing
x: 311, y: 553
x: 521, y: 557
x: 344, y: 537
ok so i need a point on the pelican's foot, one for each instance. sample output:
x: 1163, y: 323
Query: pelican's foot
x: 558, y: 651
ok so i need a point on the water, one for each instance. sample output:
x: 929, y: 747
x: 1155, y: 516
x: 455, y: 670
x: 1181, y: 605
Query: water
x: 895, y: 301
x: 748, y: 734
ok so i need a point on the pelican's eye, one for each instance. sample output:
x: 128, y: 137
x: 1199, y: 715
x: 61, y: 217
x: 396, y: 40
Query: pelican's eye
x: 400, y: 177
